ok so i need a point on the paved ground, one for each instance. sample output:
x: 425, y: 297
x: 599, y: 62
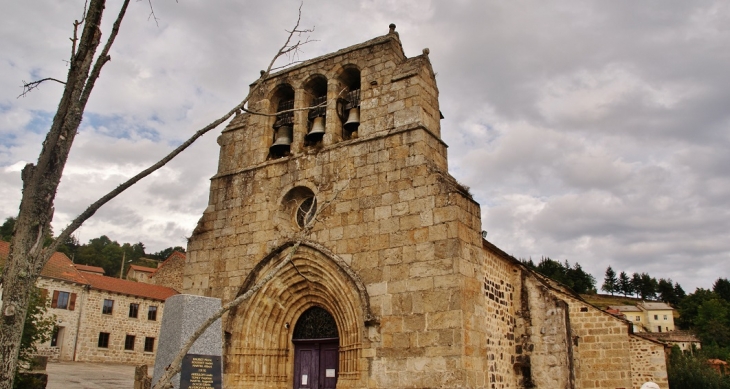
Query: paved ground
x: 84, y: 375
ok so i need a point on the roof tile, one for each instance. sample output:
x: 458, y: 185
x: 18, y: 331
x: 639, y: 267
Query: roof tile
x: 131, y: 288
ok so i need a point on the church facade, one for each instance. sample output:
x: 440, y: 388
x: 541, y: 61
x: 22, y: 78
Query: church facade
x: 394, y: 287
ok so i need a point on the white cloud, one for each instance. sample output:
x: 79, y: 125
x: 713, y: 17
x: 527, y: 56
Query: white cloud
x: 595, y: 132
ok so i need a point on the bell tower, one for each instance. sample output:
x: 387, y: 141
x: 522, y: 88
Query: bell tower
x: 391, y: 259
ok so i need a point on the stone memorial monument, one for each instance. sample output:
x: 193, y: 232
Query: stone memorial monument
x: 201, y: 368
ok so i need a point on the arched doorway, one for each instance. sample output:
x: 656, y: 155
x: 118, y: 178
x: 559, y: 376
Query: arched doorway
x: 316, y: 350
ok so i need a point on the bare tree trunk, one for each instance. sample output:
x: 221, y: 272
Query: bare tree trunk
x: 40, y: 182
x: 27, y: 257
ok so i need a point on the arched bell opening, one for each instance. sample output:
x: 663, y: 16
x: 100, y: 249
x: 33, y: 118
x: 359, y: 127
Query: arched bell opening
x: 283, y: 127
x: 315, y: 91
x: 316, y: 350
x: 349, y: 106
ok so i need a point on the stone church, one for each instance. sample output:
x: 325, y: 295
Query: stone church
x: 395, y: 286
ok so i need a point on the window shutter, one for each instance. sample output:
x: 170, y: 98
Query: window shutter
x: 54, y: 301
x: 72, y: 302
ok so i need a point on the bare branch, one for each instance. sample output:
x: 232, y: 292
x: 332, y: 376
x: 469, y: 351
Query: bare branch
x: 91, y: 210
x: 104, y: 56
x: 29, y: 86
x: 152, y: 14
x: 76, y: 24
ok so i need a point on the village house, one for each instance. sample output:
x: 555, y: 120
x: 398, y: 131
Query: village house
x: 648, y: 316
x: 395, y: 286
x: 98, y: 318
x: 139, y: 273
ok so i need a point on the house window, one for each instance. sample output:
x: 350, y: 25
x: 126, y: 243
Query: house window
x: 103, y: 340
x: 129, y: 342
x: 108, y: 306
x: 63, y: 300
x: 665, y: 317
x: 656, y: 317
x: 152, y: 313
x: 149, y: 344
x: 133, y: 310
x: 638, y: 318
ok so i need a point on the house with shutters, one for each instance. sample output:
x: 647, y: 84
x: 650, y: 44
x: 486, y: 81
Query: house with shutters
x: 99, y: 318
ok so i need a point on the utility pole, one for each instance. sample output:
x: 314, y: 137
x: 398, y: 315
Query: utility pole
x: 121, y: 271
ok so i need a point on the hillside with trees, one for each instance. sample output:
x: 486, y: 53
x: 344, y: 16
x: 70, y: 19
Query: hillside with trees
x: 102, y: 251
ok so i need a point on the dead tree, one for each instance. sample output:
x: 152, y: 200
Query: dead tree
x: 27, y: 255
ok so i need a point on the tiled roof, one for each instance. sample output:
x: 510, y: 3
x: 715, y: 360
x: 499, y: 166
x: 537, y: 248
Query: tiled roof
x: 131, y: 288
x: 89, y: 268
x: 58, y: 267
x: 655, y: 306
x: 143, y: 269
x: 625, y: 308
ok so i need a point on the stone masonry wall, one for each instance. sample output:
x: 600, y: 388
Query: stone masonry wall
x: 170, y: 273
x: 499, y: 295
x: 547, y: 349
x: 602, y: 350
x: 407, y: 229
x: 118, y: 325
x: 648, y: 362
x: 66, y: 319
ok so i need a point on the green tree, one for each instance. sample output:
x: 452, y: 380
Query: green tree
x: 665, y: 289
x: 38, y: 326
x: 687, y: 371
x: 610, y: 282
x: 712, y: 323
x: 689, y: 307
x: 164, y: 254
x: 6, y: 230
x: 722, y: 288
x: 624, y: 284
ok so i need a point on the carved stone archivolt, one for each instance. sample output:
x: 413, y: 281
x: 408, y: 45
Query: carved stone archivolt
x: 260, y: 351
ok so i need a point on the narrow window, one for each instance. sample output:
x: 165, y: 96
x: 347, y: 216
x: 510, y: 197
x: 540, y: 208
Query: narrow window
x: 638, y: 318
x: 129, y: 342
x: 108, y: 306
x: 656, y: 317
x: 149, y: 344
x: 152, y: 313
x: 62, y: 300
x: 103, y: 340
x: 665, y: 317
x: 133, y: 310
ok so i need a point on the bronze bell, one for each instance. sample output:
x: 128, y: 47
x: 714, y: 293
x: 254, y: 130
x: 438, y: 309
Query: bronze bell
x: 317, y: 130
x: 353, y: 119
x: 283, y: 140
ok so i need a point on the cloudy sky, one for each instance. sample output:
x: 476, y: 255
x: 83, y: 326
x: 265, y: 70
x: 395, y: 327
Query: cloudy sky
x: 592, y: 131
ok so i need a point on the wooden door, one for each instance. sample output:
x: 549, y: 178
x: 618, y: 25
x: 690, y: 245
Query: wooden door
x: 316, y: 364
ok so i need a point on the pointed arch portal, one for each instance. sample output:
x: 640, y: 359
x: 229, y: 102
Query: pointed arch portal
x: 316, y: 350
x: 315, y: 309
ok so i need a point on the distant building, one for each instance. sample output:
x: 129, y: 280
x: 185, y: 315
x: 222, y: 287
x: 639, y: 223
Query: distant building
x: 170, y: 272
x: 99, y: 318
x: 647, y: 316
x: 685, y: 340
x: 140, y: 273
